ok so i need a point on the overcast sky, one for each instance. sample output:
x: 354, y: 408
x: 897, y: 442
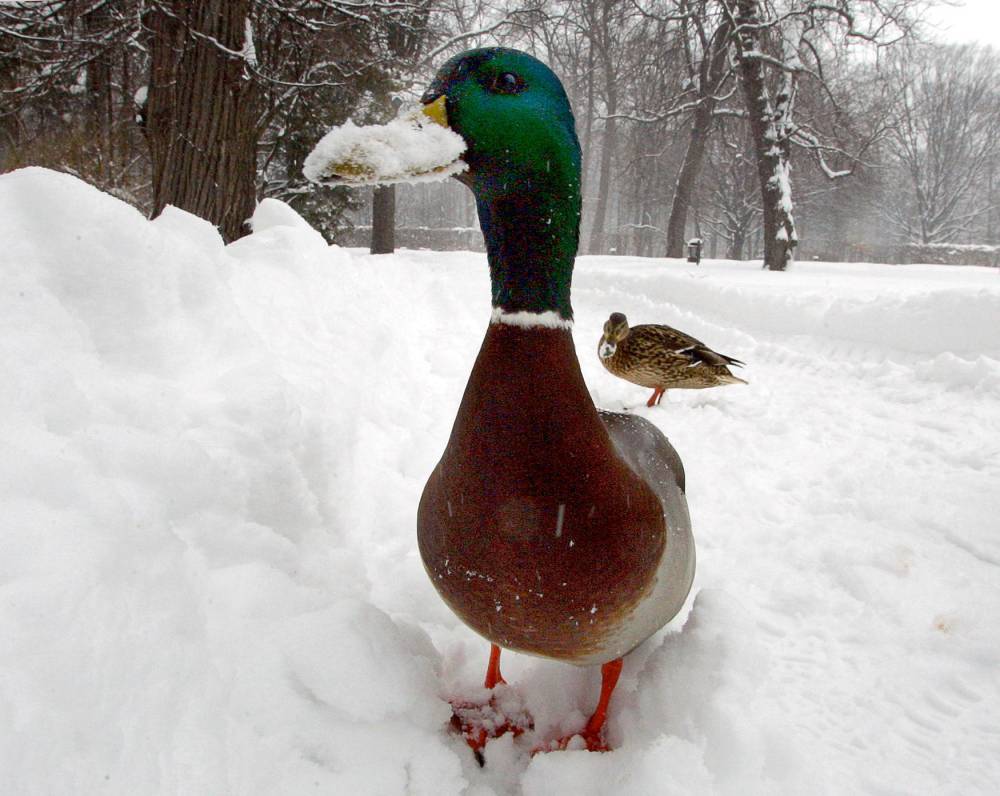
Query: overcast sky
x: 975, y: 20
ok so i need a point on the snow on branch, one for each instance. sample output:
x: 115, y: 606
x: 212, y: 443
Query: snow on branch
x: 806, y: 140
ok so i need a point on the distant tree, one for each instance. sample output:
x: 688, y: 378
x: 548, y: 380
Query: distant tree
x: 678, y: 80
x: 68, y: 73
x: 770, y: 125
x: 777, y: 45
x: 602, y: 21
x: 991, y: 218
x: 734, y: 211
x: 945, y: 140
x: 708, y: 70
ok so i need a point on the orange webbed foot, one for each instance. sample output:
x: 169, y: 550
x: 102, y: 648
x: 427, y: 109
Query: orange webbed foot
x: 592, y: 742
x: 478, y: 723
x: 592, y: 737
x: 502, y: 714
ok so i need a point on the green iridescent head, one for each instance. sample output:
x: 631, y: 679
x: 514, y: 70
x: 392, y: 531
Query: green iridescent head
x: 514, y: 115
x: 524, y: 169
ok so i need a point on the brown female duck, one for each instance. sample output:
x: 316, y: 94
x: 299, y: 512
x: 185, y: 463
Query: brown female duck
x: 548, y: 527
x: 661, y: 357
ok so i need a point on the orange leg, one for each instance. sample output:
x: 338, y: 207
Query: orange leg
x: 493, y: 675
x: 593, y: 733
x: 654, y: 399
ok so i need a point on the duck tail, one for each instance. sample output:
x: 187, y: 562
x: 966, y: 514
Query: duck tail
x: 729, y: 378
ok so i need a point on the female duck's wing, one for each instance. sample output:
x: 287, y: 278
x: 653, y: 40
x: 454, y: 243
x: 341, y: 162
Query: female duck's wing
x: 678, y: 342
x: 663, y: 336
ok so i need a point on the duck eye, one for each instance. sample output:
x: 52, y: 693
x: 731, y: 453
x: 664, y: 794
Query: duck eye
x: 507, y: 83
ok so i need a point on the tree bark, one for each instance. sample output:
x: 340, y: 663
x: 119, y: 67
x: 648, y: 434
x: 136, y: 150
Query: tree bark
x: 201, y: 121
x: 100, y: 108
x: 600, y: 37
x: 713, y: 68
x: 586, y: 147
x: 767, y: 126
x: 686, y: 180
x: 735, y: 251
x: 384, y: 220
x: 588, y: 122
x: 604, y: 176
x: 10, y: 128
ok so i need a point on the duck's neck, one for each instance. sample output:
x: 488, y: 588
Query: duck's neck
x: 531, y: 241
x: 527, y: 393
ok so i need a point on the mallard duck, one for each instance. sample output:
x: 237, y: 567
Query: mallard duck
x: 661, y: 357
x: 548, y: 526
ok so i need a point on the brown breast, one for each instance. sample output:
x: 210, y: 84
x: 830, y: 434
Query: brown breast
x: 531, y: 527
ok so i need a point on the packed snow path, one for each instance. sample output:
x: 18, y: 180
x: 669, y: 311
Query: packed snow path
x: 208, y: 573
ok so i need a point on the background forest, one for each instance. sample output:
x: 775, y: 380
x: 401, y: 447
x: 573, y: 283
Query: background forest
x: 771, y: 129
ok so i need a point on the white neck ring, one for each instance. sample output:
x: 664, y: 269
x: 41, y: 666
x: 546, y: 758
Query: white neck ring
x: 550, y: 319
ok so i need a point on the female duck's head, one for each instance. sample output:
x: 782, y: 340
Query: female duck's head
x: 615, y: 330
x: 524, y: 169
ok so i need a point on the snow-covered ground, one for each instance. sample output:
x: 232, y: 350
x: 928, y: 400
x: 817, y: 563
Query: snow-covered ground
x: 212, y: 458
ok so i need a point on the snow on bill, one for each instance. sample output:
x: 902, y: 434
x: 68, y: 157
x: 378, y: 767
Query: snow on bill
x: 410, y: 148
x: 208, y: 573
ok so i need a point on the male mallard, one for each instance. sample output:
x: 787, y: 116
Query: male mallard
x: 661, y: 357
x: 548, y: 527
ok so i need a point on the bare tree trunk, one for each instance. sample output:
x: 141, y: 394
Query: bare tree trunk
x: 100, y: 107
x: 686, y: 180
x: 767, y: 123
x: 735, y: 251
x: 604, y: 176
x: 10, y: 127
x: 201, y: 121
x: 586, y: 145
x: 600, y: 36
x: 991, y: 203
x: 588, y: 122
x: 713, y: 68
x: 384, y: 220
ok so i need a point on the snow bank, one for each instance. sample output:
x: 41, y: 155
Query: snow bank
x: 208, y: 573
x: 180, y: 612
x: 410, y: 148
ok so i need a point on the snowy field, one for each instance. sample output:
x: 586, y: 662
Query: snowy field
x: 209, y: 581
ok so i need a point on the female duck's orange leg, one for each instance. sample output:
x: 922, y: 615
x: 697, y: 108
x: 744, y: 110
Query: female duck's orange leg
x: 655, y: 397
x: 493, y: 676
